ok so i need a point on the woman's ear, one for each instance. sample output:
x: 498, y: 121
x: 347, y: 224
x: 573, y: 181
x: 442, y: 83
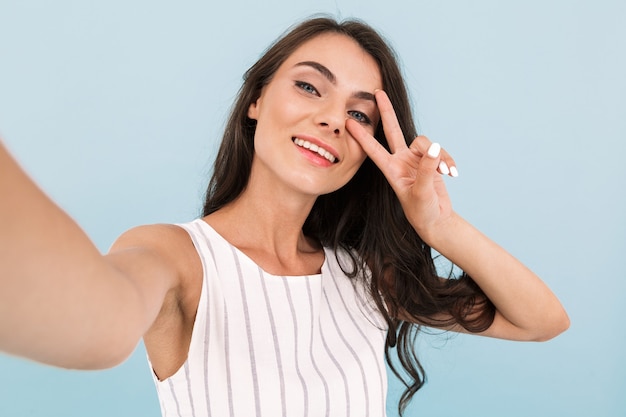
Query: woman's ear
x: 253, y: 110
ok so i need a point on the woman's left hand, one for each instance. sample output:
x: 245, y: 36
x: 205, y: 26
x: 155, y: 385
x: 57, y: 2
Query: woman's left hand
x: 526, y: 309
x: 414, y: 171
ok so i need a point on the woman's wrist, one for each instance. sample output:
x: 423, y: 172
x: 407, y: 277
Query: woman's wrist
x: 443, y: 233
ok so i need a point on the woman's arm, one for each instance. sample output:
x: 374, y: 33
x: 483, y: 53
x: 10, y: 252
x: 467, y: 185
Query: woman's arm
x: 61, y: 301
x: 526, y: 308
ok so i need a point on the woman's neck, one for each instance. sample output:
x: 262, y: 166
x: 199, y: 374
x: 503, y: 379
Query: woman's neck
x: 266, y: 225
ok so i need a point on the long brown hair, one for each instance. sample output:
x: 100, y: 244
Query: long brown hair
x: 364, y: 216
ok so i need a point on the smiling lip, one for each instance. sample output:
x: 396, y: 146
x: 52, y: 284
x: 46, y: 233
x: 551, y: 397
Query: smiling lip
x: 316, y: 146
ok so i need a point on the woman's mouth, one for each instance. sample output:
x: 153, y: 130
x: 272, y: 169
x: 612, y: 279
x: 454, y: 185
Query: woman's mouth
x: 315, y: 148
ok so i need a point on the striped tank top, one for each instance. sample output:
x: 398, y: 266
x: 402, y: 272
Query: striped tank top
x: 267, y: 345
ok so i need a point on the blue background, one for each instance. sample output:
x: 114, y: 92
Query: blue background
x: 116, y: 109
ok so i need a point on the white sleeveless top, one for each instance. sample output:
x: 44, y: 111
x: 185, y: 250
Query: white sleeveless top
x: 267, y: 345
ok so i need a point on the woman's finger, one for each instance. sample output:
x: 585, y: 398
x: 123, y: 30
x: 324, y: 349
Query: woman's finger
x: 429, y: 162
x: 370, y: 145
x: 393, y: 132
x: 446, y: 166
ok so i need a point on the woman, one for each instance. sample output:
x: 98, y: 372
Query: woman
x: 312, y: 258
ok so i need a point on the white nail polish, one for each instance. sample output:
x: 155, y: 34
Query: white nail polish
x: 434, y: 149
x: 454, y: 172
x: 443, y: 168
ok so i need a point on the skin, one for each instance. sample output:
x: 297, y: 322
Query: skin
x: 63, y: 303
x: 526, y: 309
x: 285, y: 179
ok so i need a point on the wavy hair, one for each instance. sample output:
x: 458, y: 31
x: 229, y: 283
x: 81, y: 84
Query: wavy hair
x: 364, y: 217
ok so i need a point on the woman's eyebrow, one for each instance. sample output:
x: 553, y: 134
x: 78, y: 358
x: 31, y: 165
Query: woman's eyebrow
x: 320, y: 68
x: 363, y: 95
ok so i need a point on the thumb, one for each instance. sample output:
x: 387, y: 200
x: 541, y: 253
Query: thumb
x: 429, y: 162
x: 426, y: 173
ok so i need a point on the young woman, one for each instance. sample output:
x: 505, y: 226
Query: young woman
x: 312, y: 258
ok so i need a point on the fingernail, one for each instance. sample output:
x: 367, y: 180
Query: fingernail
x: 434, y: 149
x: 443, y: 168
x: 454, y: 172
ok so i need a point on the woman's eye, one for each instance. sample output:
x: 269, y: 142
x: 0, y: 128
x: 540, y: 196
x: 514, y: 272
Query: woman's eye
x: 306, y: 87
x: 359, y: 116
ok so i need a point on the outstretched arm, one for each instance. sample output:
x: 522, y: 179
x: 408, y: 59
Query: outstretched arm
x: 526, y: 308
x: 61, y: 301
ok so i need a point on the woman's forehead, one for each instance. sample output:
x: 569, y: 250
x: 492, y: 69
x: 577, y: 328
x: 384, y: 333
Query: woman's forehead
x: 341, y: 54
x: 329, y: 44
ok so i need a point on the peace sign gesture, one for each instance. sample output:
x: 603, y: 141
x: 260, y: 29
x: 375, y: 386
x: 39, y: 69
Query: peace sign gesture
x: 414, y: 171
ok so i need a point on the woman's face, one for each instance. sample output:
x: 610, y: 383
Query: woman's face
x: 301, y: 138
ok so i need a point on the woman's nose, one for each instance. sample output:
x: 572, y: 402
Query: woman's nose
x: 336, y: 130
x: 332, y: 118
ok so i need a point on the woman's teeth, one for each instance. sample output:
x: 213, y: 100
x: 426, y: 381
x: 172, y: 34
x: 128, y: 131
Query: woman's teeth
x: 314, y: 148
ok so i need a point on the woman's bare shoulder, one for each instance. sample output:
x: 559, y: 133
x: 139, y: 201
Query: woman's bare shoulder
x: 154, y: 236
x: 167, y: 246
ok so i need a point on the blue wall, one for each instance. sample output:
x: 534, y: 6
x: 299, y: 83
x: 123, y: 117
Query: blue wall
x: 116, y: 108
